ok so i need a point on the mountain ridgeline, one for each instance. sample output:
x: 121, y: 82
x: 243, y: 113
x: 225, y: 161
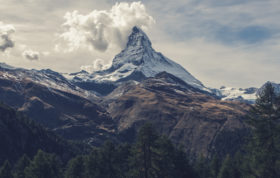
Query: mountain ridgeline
x: 141, y: 86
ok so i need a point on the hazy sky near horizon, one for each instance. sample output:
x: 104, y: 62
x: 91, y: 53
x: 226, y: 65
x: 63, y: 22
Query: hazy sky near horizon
x: 231, y: 42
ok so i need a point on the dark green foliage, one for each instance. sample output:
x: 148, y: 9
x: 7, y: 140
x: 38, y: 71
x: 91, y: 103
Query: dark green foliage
x: 144, y: 151
x: 107, y: 161
x: 164, y: 156
x: 110, y: 161
x: 20, y: 166
x: 182, y: 167
x: 156, y: 157
x: 214, y: 166
x: 201, y: 167
x: 92, y: 164
x: 264, y: 147
x: 6, y: 170
x: 44, y: 165
x: 227, y: 169
x: 75, y: 168
x: 151, y: 156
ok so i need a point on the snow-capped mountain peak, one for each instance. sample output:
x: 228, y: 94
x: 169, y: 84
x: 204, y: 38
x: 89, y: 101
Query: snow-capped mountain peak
x: 138, y: 45
x: 138, y: 39
x: 248, y: 95
x: 138, y: 61
x: 274, y: 85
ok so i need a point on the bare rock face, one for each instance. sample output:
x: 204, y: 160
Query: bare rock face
x: 200, y: 122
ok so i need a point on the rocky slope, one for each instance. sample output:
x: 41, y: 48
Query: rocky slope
x: 61, y: 107
x: 202, y: 123
x: 19, y: 135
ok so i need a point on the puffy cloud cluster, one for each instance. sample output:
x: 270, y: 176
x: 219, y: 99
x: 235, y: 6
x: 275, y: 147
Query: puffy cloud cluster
x: 97, y: 64
x: 100, y: 29
x: 5, y: 36
x: 31, y: 55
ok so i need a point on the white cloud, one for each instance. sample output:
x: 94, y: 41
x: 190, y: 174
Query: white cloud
x: 102, y: 29
x: 97, y: 65
x: 6, y: 30
x: 46, y: 53
x: 31, y: 55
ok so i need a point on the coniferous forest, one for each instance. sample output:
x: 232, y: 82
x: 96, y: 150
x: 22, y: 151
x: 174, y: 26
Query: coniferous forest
x: 154, y: 156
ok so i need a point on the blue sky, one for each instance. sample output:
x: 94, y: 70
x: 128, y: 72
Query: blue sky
x: 230, y: 42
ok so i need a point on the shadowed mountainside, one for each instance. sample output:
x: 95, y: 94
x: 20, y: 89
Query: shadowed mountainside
x: 20, y: 135
x: 202, y: 123
x: 69, y: 115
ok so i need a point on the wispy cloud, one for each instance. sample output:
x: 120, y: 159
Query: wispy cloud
x: 6, y: 30
x: 31, y: 55
x: 247, y: 21
x: 97, y: 64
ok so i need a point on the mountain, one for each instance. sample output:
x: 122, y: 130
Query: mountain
x: 19, y: 135
x: 45, y: 77
x: 202, y: 123
x: 199, y: 121
x: 274, y: 85
x: 51, y: 100
x: 136, y: 62
x: 141, y: 86
x: 247, y: 95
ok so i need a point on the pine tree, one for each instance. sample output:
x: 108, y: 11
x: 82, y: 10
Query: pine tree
x: 123, y: 154
x: 201, y: 167
x: 164, y: 158
x: 144, y: 153
x: 264, y: 148
x: 214, y: 166
x: 239, y: 164
x: 226, y: 170
x: 20, y: 166
x: 182, y: 167
x: 75, y: 168
x: 108, y: 162
x: 6, y: 170
x: 44, y: 165
x: 92, y: 165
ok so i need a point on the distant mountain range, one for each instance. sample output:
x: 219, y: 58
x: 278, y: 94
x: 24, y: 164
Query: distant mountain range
x: 141, y: 86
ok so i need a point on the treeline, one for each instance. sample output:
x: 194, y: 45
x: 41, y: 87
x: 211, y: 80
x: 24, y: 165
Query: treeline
x: 154, y: 156
x: 150, y: 156
x: 20, y: 135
